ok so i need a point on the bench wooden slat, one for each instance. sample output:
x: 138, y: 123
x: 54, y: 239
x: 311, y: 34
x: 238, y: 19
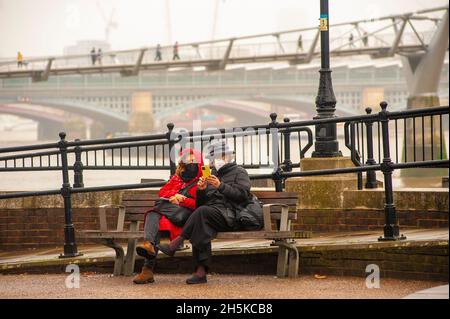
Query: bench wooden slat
x: 275, y: 215
x: 139, y: 196
x: 263, y: 234
x: 136, y: 208
x: 273, y: 194
x: 138, y: 203
x: 134, y: 217
x: 151, y: 201
x: 260, y: 194
x: 286, y: 201
x: 95, y: 234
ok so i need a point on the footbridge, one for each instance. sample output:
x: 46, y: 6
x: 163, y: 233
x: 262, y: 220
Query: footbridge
x: 379, y: 38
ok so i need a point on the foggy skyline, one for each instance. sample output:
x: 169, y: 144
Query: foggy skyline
x: 45, y: 27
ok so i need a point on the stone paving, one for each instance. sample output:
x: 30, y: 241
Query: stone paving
x: 104, y: 286
x: 328, y: 241
x: 439, y: 292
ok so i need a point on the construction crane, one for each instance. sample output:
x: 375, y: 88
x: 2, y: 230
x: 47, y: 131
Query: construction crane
x: 216, y: 18
x: 168, y: 22
x: 110, y: 22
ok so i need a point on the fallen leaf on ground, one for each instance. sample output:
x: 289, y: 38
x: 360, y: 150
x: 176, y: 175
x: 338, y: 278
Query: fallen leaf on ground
x: 317, y: 276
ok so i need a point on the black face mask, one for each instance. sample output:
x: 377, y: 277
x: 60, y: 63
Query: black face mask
x: 190, y: 172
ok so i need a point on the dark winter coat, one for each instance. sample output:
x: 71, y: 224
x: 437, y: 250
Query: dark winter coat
x: 234, y: 191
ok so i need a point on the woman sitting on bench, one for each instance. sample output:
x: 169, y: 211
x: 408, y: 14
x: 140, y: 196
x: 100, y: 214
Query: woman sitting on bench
x: 176, y: 203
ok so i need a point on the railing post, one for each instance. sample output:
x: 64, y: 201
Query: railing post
x: 287, y: 163
x: 277, y: 171
x: 70, y: 246
x: 173, y: 165
x: 78, y: 168
x: 371, y: 178
x: 355, y: 154
x: 391, y: 227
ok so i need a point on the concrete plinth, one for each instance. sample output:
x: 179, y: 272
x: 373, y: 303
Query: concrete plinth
x: 141, y: 116
x: 322, y: 192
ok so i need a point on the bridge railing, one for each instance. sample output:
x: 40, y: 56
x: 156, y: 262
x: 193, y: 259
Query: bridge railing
x: 210, y: 52
x: 378, y: 33
x: 277, y: 134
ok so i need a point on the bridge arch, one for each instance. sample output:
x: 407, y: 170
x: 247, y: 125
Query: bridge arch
x: 112, y: 121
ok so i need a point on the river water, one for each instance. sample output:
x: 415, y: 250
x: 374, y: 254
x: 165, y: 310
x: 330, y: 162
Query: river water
x: 29, y: 181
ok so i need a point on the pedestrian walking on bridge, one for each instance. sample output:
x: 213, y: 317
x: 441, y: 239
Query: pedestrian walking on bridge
x: 350, y: 41
x: 158, y: 56
x: 99, y: 56
x: 300, y: 43
x: 365, y: 39
x: 19, y: 59
x: 93, y: 56
x: 175, y: 52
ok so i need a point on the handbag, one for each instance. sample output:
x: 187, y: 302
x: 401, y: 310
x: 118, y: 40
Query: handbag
x: 177, y: 215
x: 250, y: 216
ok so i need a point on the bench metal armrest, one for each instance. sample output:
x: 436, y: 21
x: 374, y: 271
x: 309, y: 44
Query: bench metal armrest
x: 283, y: 220
x: 102, y: 216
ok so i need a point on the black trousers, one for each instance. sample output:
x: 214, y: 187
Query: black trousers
x: 202, y: 227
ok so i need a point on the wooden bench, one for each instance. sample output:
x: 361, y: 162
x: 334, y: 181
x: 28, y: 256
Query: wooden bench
x: 279, y: 210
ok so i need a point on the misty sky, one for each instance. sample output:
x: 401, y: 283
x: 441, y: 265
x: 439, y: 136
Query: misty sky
x: 44, y: 27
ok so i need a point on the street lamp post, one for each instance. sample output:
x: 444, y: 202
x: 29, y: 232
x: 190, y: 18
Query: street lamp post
x: 326, y: 144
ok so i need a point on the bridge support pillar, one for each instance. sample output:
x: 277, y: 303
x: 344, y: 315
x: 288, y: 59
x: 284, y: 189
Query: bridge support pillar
x: 423, y: 73
x: 48, y: 130
x: 141, y: 116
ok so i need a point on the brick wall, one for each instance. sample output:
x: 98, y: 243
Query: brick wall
x: 429, y: 262
x: 360, y: 220
x: 32, y: 228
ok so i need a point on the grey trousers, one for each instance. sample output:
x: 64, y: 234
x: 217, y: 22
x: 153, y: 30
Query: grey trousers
x: 151, y: 233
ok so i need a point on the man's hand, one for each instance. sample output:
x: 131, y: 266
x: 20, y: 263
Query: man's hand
x: 201, y: 184
x: 174, y: 200
x: 213, y: 181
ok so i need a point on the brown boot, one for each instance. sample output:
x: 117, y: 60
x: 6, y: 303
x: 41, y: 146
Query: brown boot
x: 146, y: 276
x: 146, y: 250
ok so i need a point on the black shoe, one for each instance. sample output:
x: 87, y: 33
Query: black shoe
x: 196, y: 280
x: 182, y: 246
x: 166, y: 250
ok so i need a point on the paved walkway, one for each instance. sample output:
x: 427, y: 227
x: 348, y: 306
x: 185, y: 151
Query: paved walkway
x: 440, y: 292
x: 218, y: 286
x: 326, y: 241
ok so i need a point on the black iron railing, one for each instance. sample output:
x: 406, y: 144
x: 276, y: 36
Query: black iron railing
x: 274, y: 144
x: 415, y: 135
x: 253, y: 147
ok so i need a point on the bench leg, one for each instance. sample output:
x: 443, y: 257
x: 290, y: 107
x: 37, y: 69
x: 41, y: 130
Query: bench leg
x: 118, y: 261
x: 282, y: 261
x: 130, y: 258
x: 131, y: 252
x: 293, y: 262
x: 288, y: 260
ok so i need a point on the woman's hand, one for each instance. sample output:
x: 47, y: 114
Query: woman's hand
x: 174, y: 200
x: 180, y: 198
x: 213, y: 181
x: 201, y: 183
